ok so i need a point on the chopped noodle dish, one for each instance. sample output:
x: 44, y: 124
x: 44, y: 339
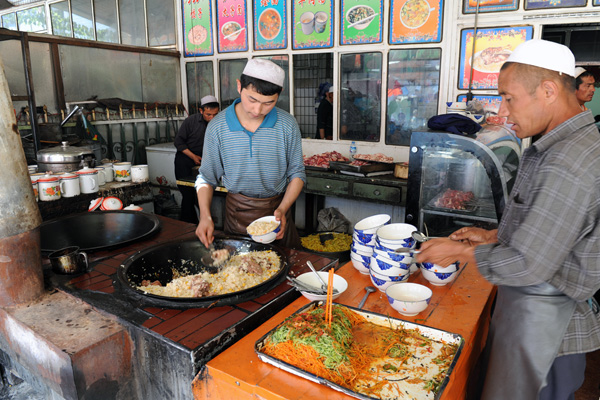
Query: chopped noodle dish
x: 261, y: 227
x: 379, y: 361
x: 240, y: 272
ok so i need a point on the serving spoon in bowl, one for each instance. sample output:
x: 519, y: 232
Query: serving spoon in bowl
x: 323, y: 284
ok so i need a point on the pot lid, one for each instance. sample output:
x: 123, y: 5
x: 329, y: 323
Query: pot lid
x: 48, y: 178
x: 86, y: 170
x: 63, y: 153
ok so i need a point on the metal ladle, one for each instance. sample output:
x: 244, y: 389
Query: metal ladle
x: 420, y: 236
x: 369, y: 289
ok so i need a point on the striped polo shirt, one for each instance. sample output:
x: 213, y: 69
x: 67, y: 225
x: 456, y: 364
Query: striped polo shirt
x: 256, y: 164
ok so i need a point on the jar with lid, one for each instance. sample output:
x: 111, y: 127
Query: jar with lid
x: 88, y: 180
x: 49, y: 188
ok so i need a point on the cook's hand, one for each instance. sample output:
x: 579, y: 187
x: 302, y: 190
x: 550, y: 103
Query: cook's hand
x: 205, y: 230
x: 444, y: 251
x: 475, y: 236
x: 280, y: 216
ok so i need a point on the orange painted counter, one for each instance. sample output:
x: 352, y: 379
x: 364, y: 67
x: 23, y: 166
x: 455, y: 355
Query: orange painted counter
x: 462, y: 307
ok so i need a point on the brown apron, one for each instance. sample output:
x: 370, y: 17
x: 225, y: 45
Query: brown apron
x: 241, y: 210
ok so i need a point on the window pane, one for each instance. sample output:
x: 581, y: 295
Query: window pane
x: 83, y: 27
x: 61, y: 19
x: 161, y: 23
x: 106, y: 21
x: 229, y: 72
x: 9, y: 21
x: 32, y: 19
x: 284, y: 98
x: 360, y: 101
x: 412, y: 95
x: 200, y: 83
x: 313, y: 74
x: 133, y: 28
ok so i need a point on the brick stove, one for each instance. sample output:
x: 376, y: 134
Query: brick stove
x: 86, y: 338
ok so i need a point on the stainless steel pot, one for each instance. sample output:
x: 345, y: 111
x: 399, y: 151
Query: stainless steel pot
x: 65, y: 158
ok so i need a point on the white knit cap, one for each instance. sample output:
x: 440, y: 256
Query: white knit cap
x: 579, y: 71
x: 331, y: 89
x: 265, y: 70
x: 208, y: 99
x: 545, y: 54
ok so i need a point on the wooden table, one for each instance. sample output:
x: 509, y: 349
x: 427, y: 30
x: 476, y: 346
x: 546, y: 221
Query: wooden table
x: 461, y: 307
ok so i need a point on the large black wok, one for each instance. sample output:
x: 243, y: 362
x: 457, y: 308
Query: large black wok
x: 186, y: 257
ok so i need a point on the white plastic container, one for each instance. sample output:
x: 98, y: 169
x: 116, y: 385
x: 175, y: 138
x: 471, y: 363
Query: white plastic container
x: 161, y: 164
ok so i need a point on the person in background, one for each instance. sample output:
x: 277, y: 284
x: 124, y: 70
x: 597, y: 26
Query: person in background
x: 585, y: 86
x: 189, y: 143
x: 545, y: 254
x: 325, y: 116
x: 256, y: 149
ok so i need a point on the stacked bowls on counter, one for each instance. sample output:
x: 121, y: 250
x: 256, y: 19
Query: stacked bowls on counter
x: 363, y: 241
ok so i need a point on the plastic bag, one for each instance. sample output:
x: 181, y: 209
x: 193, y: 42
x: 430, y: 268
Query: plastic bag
x: 332, y: 220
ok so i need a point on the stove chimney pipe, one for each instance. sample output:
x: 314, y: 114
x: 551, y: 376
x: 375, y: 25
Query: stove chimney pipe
x: 21, y: 275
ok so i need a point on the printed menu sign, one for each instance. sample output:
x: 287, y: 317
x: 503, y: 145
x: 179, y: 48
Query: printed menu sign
x: 231, y: 20
x: 362, y: 22
x: 492, y: 47
x: 270, y: 25
x: 470, y: 6
x: 534, y: 4
x: 312, y: 24
x: 197, y: 28
x: 416, y: 21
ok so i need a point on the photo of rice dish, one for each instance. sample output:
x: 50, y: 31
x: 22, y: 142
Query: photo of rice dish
x: 197, y: 35
x: 269, y: 24
x: 414, y: 13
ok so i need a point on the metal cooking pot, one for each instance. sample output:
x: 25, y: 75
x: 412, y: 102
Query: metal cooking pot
x: 65, y: 158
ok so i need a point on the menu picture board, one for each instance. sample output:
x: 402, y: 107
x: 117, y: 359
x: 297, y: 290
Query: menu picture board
x: 312, y: 24
x: 197, y: 28
x: 416, y: 21
x: 361, y: 21
x: 492, y: 102
x: 270, y: 25
x: 537, y: 4
x: 470, y: 6
x: 231, y: 21
x: 492, y: 48
x: 596, y: 3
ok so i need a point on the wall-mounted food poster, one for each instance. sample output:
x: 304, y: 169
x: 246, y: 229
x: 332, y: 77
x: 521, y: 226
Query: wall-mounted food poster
x: 470, y: 6
x: 416, y: 21
x: 312, y: 24
x: 489, y: 102
x: 535, y: 4
x: 270, y: 27
x: 197, y: 28
x: 492, y: 48
x: 362, y: 21
x: 231, y: 20
x: 596, y: 2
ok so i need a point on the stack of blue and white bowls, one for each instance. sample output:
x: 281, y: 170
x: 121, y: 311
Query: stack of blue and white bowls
x: 363, y: 241
x: 388, y: 266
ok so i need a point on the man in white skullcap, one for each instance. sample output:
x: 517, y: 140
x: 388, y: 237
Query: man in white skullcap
x: 190, y: 143
x: 545, y: 255
x: 584, y: 83
x: 255, y: 148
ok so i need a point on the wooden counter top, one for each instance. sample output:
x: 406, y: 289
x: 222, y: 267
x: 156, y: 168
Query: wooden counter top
x: 461, y: 307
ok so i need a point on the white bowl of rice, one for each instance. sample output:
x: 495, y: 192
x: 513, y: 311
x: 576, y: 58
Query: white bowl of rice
x: 264, y: 230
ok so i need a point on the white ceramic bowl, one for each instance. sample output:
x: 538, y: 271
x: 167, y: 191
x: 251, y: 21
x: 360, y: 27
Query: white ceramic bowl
x: 370, y: 224
x: 382, y: 282
x: 388, y: 267
x: 267, y: 237
x: 366, y: 239
x: 309, y: 278
x: 414, y: 268
x: 437, y: 268
x: 406, y: 258
x: 408, y: 298
x: 361, y: 263
x: 397, y: 235
x: 438, y: 278
x: 361, y: 248
x: 361, y: 253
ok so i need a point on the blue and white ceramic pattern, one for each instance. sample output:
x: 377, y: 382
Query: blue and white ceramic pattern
x: 366, y: 239
x: 361, y: 263
x: 406, y: 258
x: 436, y: 268
x: 382, y: 282
x: 370, y: 224
x: 438, y: 278
x: 384, y: 268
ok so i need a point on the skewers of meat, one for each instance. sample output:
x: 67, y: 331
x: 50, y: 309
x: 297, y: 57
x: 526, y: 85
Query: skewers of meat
x: 455, y: 200
x: 322, y: 160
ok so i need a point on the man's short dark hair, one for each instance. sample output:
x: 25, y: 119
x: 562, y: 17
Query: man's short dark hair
x: 263, y: 87
x: 214, y: 104
x: 579, y: 79
x: 535, y: 75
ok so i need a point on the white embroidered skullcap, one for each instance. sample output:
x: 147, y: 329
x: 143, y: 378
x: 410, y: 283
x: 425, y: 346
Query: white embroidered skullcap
x: 331, y: 89
x: 265, y: 70
x: 579, y: 71
x: 545, y: 54
x: 208, y: 99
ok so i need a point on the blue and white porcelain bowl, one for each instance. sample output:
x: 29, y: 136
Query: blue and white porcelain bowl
x: 436, y: 268
x: 439, y: 278
x: 397, y: 235
x: 406, y: 258
x: 408, y: 298
x: 361, y: 263
x: 382, y: 282
x: 370, y: 224
x: 361, y: 248
x: 366, y: 239
x: 386, y: 266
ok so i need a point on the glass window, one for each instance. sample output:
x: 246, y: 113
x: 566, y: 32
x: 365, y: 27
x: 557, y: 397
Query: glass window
x: 161, y: 23
x: 32, y: 19
x: 133, y: 26
x: 200, y: 83
x: 284, y: 98
x: 229, y: 72
x: 9, y: 21
x: 83, y: 27
x: 413, y: 90
x: 106, y: 21
x: 61, y: 19
x: 360, y: 99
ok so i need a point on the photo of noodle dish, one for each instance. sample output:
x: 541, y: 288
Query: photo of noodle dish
x: 231, y: 30
x: 238, y: 272
x: 363, y: 354
x: 414, y: 13
x: 490, y: 60
x: 197, y: 35
x: 269, y: 24
x: 361, y: 16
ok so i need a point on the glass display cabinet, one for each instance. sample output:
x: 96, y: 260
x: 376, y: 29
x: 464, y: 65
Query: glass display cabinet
x: 456, y: 181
